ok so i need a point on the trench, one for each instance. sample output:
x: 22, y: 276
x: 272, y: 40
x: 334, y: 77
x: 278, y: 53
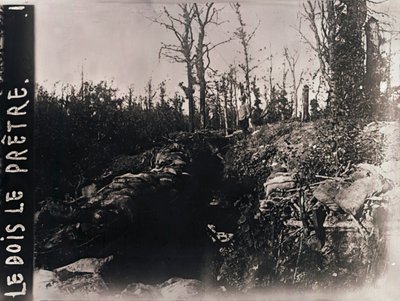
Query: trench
x: 168, y: 236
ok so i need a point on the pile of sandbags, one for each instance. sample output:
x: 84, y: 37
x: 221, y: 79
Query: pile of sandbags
x: 172, y: 289
x: 84, y: 278
x: 350, y: 194
x: 81, y: 278
x: 279, y: 181
x: 108, y: 212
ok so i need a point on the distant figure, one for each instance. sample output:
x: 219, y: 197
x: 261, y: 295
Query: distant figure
x: 244, y: 115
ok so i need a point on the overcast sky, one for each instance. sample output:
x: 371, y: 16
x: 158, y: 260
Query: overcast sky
x: 113, y: 40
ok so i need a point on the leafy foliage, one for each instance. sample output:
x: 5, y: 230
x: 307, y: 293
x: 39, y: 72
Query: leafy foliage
x: 347, y: 61
x: 268, y: 249
x: 77, y: 134
x: 338, y: 148
x: 279, y: 108
x: 263, y: 252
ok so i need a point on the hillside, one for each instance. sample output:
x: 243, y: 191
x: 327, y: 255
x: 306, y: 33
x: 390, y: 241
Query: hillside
x: 297, y: 204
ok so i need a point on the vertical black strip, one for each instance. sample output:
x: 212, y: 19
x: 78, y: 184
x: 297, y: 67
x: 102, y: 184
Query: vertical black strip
x: 16, y: 117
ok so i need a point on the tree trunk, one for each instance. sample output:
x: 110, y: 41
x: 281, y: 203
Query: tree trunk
x: 236, y: 106
x: 218, y: 101
x: 247, y: 75
x: 306, y: 113
x: 373, y: 74
x: 203, y: 115
x: 233, y: 105
x: 225, y: 110
x: 295, y: 97
x: 189, y: 95
x: 201, y: 77
x: 347, y: 60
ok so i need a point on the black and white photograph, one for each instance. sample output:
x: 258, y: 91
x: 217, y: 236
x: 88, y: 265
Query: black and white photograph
x: 194, y: 150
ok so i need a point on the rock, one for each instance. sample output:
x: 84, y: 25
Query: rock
x: 82, y: 266
x: 43, y: 278
x: 141, y: 291
x: 43, y: 285
x: 179, y: 288
x: 83, y: 285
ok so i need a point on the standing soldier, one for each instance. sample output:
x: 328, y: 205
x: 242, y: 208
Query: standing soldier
x: 244, y: 115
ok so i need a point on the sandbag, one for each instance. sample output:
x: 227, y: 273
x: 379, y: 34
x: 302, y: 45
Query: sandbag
x: 281, y: 182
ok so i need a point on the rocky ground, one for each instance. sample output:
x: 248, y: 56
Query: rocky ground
x: 200, y: 197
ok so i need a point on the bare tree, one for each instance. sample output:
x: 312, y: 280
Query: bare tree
x: 245, y: 39
x: 224, y: 90
x: 182, y: 52
x: 150, y: 94
x: 233, y: 86
x: 270, y: 78
x: 292, y: 61
x: 163, y: 93
x: 130, y: 95
x: 205, y: 16
x: 285, y: 71
x: 321, y: 19
x: 373, y: 74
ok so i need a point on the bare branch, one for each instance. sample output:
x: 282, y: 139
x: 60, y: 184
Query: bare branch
x: 253, y: 32
x: 306, y: 39
x: 220, y: 43
x: 321, y: 45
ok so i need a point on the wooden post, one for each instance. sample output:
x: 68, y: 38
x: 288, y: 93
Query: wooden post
x: 306, y: 101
